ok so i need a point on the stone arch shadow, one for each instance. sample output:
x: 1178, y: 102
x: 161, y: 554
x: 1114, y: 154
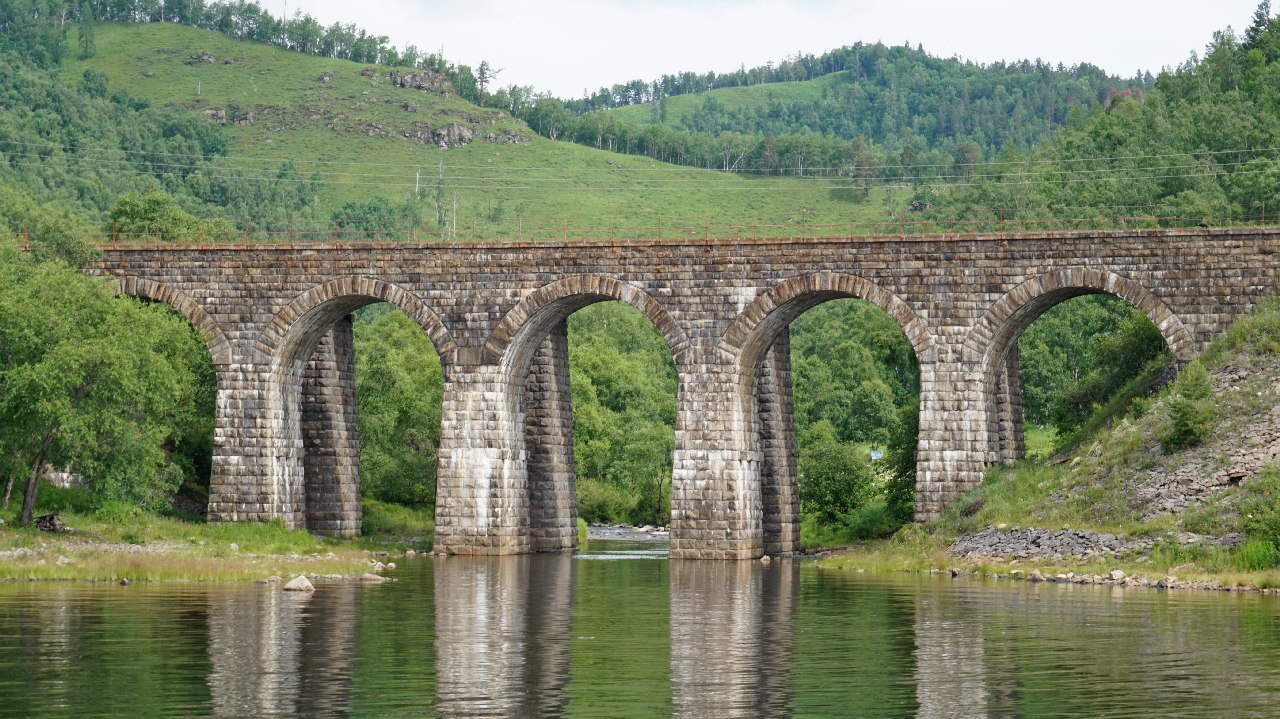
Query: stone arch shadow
x: 308, y: 363
x: 988, y: 345
x: 531, y: 337
x: 753, y: 346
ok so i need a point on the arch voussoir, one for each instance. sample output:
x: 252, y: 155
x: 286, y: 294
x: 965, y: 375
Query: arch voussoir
x: 745, y: 340
x: 215, y: 339
x: 286, y: 319
x: 990, y: 337
x: 572, y: 293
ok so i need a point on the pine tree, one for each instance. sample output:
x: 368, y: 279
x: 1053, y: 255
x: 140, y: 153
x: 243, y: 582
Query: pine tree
x: 87, y: 45
x: 1256, y: 35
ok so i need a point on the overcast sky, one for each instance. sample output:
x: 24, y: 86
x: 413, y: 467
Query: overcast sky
x: 566, y: 46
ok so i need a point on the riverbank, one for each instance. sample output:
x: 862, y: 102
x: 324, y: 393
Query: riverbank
x: 628, y: 533
x: 915, y: 550
x: 115, y: 544
x: 1179, y: 489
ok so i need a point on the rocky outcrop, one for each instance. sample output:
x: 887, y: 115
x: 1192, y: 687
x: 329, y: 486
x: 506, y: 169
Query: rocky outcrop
x: 1032, y: 543
x: 505, y: 137
x: 423, y: 81
x: 237, y: 116
x: 453, y: 135
x: 1236, y: 456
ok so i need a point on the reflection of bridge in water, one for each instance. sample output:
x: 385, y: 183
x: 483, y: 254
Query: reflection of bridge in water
x: 552, y: 636
x: 277, y: 324
x: 274, y: 652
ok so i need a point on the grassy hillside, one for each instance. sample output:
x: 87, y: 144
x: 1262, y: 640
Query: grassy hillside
x: 349, y: 134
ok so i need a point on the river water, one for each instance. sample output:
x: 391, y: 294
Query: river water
x: 619, y: 631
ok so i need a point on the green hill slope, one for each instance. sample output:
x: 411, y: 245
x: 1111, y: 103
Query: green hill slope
x: 358, y: 136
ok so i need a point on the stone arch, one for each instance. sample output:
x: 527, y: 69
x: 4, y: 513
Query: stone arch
x: 989, y: 344
x: 318, y: 487
x: 755, y: 345
x: 993, y: 335
x: 320, y: 306
x: 538, y: 311
x: 215, y: 340
x: 528, y: 353
x: 749, y: 337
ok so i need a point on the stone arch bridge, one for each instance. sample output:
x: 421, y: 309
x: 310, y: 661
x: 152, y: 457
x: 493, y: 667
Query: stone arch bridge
x: 277, y: 323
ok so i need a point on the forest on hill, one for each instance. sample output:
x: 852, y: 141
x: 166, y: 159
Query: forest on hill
x: 1201, y: 138
x: 858, y: 110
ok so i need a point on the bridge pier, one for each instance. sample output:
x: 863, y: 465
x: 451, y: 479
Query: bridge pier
x: 240, y: 483
x: 716, y: 492
x: 287, y: 447
x: 954, y: 448
x: 331, y: 445
x: 1010, y: 440
x: 779, y: 488
x: 482, y: 499
x: 548, y: 417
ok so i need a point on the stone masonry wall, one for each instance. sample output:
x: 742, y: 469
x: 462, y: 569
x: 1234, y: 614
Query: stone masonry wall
x: 331, y: 446
x: 548, y: 414
x: 780, y: 495
x: 960, y: 299
x: 1009, y: 440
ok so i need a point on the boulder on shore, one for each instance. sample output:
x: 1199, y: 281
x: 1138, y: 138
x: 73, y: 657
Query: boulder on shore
x: 299, y: 584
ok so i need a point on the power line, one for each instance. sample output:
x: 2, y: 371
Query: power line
x: 671, y: 168
x: 563, y: 183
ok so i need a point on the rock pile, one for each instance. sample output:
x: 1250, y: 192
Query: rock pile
x: 1032, y: 543
x: 1026, y: 543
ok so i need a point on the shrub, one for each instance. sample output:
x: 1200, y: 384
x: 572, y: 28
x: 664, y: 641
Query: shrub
x: 1257, y: 554
x: 835, y: 479
x: 603, y: 502
x: 121, y: 514
x: 1191, y: 411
